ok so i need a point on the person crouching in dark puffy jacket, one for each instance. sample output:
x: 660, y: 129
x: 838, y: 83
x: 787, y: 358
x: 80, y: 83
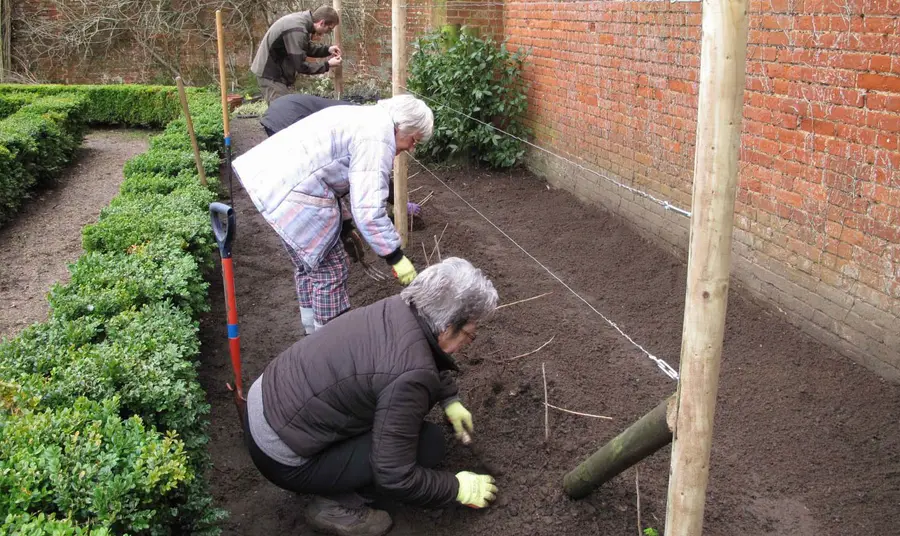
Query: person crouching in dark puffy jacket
x: 342, y: 411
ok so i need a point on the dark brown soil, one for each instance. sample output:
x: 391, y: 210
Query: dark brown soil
x: 45, y: 236
x: 805, y: 442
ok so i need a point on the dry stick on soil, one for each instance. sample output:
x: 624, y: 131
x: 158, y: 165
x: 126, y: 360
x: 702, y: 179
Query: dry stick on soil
x: 427, y: 199
x: 523, y: 301
x: 414, y: 190
x: 637, y: 489
x: 433, y: 251
x: 426, y: 255
x: 546, y: 405
x: 538, y: 349
x: 413, y: 175
x: 580, y: 413
x: 437, y: 248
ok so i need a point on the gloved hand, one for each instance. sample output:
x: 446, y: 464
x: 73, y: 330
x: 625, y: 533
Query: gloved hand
x: 475, y: 491
x: 461, y: 420
x: 413, y: 209
x: 405, y: 271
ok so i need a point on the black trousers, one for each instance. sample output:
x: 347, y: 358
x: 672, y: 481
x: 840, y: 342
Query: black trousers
x: 342, y: 468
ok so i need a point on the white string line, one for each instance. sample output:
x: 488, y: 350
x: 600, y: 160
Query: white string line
x: 662, y: 365
x: 663, y: 203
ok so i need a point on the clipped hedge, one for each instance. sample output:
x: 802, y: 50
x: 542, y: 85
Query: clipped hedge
x: 36, y: 143
x: 24, y: 524
x: 126, y: 104
x: 171, y: 162
x: 132, y: 220
x: 86, y: 461
x: 102, y: 418
x: 11, y: 102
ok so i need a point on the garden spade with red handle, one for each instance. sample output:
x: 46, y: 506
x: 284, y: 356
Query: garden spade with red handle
x: 224, y: 236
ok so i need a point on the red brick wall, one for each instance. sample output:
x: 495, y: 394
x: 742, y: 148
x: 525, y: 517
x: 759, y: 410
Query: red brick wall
x: 614, y: 89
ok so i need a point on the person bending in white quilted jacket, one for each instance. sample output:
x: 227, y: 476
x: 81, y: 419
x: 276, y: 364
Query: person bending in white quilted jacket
x: 297, y: 178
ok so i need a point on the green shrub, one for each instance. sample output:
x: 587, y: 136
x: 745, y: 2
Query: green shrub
x: 122, y: 336
x: 140, y: 218
x: 147, y: 361
x: 125, y: 104
x: 106, y: 284
x: 481, y: 79
x: 162, y: 183
x: 25, y: 524
x: 40, y: 348
x: 36, y: 143
x: 86, y: 463
x: 11, y: 102
x: 171, y: 162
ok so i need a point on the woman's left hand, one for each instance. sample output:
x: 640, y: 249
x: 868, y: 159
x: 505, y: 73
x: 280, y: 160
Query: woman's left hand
x: 461, y: 420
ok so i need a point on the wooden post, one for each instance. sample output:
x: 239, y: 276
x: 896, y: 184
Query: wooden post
x: 646, y: 436
x: 339, y: 70
x: 398, y: 82
x: 220, y: 38
x: 190, y: 127
x: 723, y: 56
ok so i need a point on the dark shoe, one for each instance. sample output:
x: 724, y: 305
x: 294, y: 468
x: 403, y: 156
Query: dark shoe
x: 333, y: 517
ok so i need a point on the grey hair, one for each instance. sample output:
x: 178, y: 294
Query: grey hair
x: 411, y: 116
x: 451, y: 293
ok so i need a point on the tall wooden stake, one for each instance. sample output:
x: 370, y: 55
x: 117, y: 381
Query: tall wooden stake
x: 190, y: 127
x: 398, y: 82
x: 339, y: 70
x: 723, y: 56
x: 220, y: 38
x: 398, y: 79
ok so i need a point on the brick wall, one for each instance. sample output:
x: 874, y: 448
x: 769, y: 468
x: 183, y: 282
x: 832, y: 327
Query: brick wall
x: 614, y: 89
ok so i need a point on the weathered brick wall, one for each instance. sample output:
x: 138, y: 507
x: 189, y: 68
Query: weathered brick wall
x: 614, y: 90
x: 366, y: 43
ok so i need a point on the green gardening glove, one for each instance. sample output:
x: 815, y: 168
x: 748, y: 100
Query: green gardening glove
x: 405, y: 271
x: 475, y: 491
x: 461, y: 420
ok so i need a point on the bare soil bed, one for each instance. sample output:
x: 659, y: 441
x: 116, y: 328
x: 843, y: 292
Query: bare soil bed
x: 805, y: 442
x: 45, y: 236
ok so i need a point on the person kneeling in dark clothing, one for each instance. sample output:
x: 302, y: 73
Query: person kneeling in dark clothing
x: 287, y: 110
x: 342, y: 411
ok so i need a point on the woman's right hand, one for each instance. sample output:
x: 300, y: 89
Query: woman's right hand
x: 475, y: 491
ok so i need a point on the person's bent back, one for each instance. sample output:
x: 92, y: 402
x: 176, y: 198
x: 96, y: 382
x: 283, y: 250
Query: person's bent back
x: 342, y: 412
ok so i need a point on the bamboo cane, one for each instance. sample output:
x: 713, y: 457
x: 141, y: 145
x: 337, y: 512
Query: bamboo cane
x: 190, y: 127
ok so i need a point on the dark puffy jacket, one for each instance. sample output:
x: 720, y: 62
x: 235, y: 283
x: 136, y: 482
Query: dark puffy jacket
x: 375, y: 368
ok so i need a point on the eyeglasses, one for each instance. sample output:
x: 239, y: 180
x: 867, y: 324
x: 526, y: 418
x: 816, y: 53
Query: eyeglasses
x: 471, y: 336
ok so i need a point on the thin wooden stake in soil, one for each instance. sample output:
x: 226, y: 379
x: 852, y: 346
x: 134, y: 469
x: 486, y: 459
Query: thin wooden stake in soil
x: 723, y: 66
x: 190, y: 126
x: 536, y: 350
x: 637, y: 491
x: 546, y: 405
x: 646, y: 436
x: 426, y: 254
x: 437, y: 248
x: 339, y: 70
x: 523, y: 301
x: 398, y: 82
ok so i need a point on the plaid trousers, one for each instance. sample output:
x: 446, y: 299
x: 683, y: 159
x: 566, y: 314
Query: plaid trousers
x: 323, y: 289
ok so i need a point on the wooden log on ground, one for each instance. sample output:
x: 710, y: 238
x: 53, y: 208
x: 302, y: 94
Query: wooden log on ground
x: 643, y: 438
